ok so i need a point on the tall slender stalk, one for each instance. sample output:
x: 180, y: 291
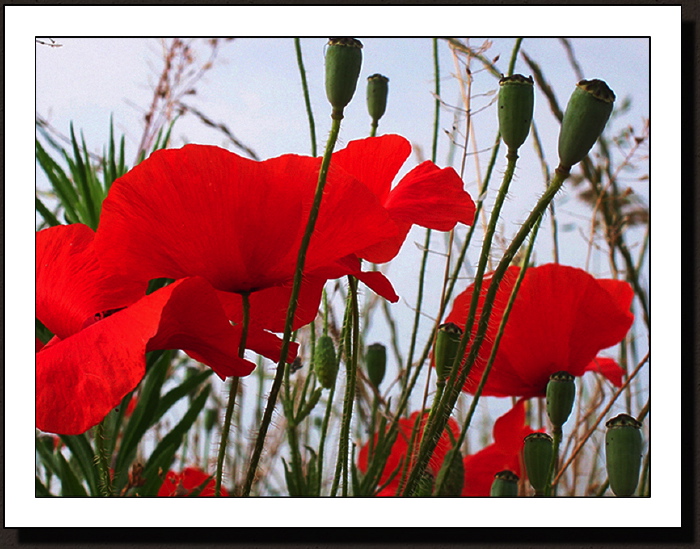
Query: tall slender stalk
x: 291, y: 310
x: 307, y: 99
x: 426, y: 244
x: 233, y: 390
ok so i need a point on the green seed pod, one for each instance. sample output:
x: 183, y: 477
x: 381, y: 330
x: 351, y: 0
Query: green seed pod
x: 446, y: 345
x: 586, y: 114
x: 376, y: 363
x: 377, y: 93
x: 516, y: 102
x: 453, y: 471
x: 505, y: 485
x: 343, y: 64
x: 538, y: 452
x: 623, y: 453
x: 561, y: 392
x: 325, y: 363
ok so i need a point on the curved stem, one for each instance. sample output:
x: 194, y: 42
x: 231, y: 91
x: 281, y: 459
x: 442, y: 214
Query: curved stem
x: 457, y: 379
x: 307, y: 100
x: 351, y: 353
x: 291, y: 310
x: 233, y: 390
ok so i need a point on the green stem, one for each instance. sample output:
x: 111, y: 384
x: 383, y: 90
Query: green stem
x: 551, y: 488
x: 514, y: 56
x: 373, y: 128
x: 233, y: 390
x: 105, y: 479
x: 291, y: 310
x: 426, y: 245
x: 496, y: 343
x: 307, y: 99
x: 350, y: 386
x: 457, y: 379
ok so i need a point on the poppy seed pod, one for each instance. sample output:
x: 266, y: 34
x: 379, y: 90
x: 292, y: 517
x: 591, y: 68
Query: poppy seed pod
x: 376, y: 363
x: 325, y: 363
x: 586, y: 114
x: 446, y: 345
x: 343, y: 64
x: 623, y: 453
x: 377, y: 93
x: 505, y: 485
x: 537, y: 453
x: 561, y: 392
x: 516, y: 102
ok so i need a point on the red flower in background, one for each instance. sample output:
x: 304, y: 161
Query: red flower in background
x: 189, y: 479
x: 398, y: 457
x: 204, y: 211
x: 561, y: 318
x: 104, y: 325
x: 508, y: 433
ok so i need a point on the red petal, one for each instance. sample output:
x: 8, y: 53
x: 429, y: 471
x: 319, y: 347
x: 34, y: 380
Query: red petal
x: 607, y: 367
x: 71, y: 286
x: 81, y: 378
x: 375, y: 161
x: 431, y: 197
x: 560, y: 320
x: 238, y: 223
x: 192, y: 319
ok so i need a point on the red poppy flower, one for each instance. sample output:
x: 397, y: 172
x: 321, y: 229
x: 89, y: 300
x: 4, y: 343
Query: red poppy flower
x: 204, y: 211
x: 562, y: 317
x: 183, y: 483
x: 104, y: 326
x: 503, y: 454
x: 397, y: 459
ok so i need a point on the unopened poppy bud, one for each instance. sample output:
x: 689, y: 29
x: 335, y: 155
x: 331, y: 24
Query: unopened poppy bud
x: 452, y: 484
x: 505, y: 485
x: 586, y: 114
x: 377, y: 93
x: 537, y: 453
x: 623, y: 453
x: 325, y: 363
x: 343, y: 64
x: 210, y: 417
x: 561, y: 392
x: 376, y: 363
x: 446, y: 345
x: 516, y: 102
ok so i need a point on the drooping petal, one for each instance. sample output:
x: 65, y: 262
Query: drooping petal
x: 431, y: 197
x: 81, y: 378
x: 71, y: 285
x: 607, y: 367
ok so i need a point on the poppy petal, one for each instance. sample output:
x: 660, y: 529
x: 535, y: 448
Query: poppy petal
x: 205, y: 211
x: 375, y: 161
x: 608, y: 368
x: 431, y: 197
x: 71, y: 285
x: 81, y: 378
